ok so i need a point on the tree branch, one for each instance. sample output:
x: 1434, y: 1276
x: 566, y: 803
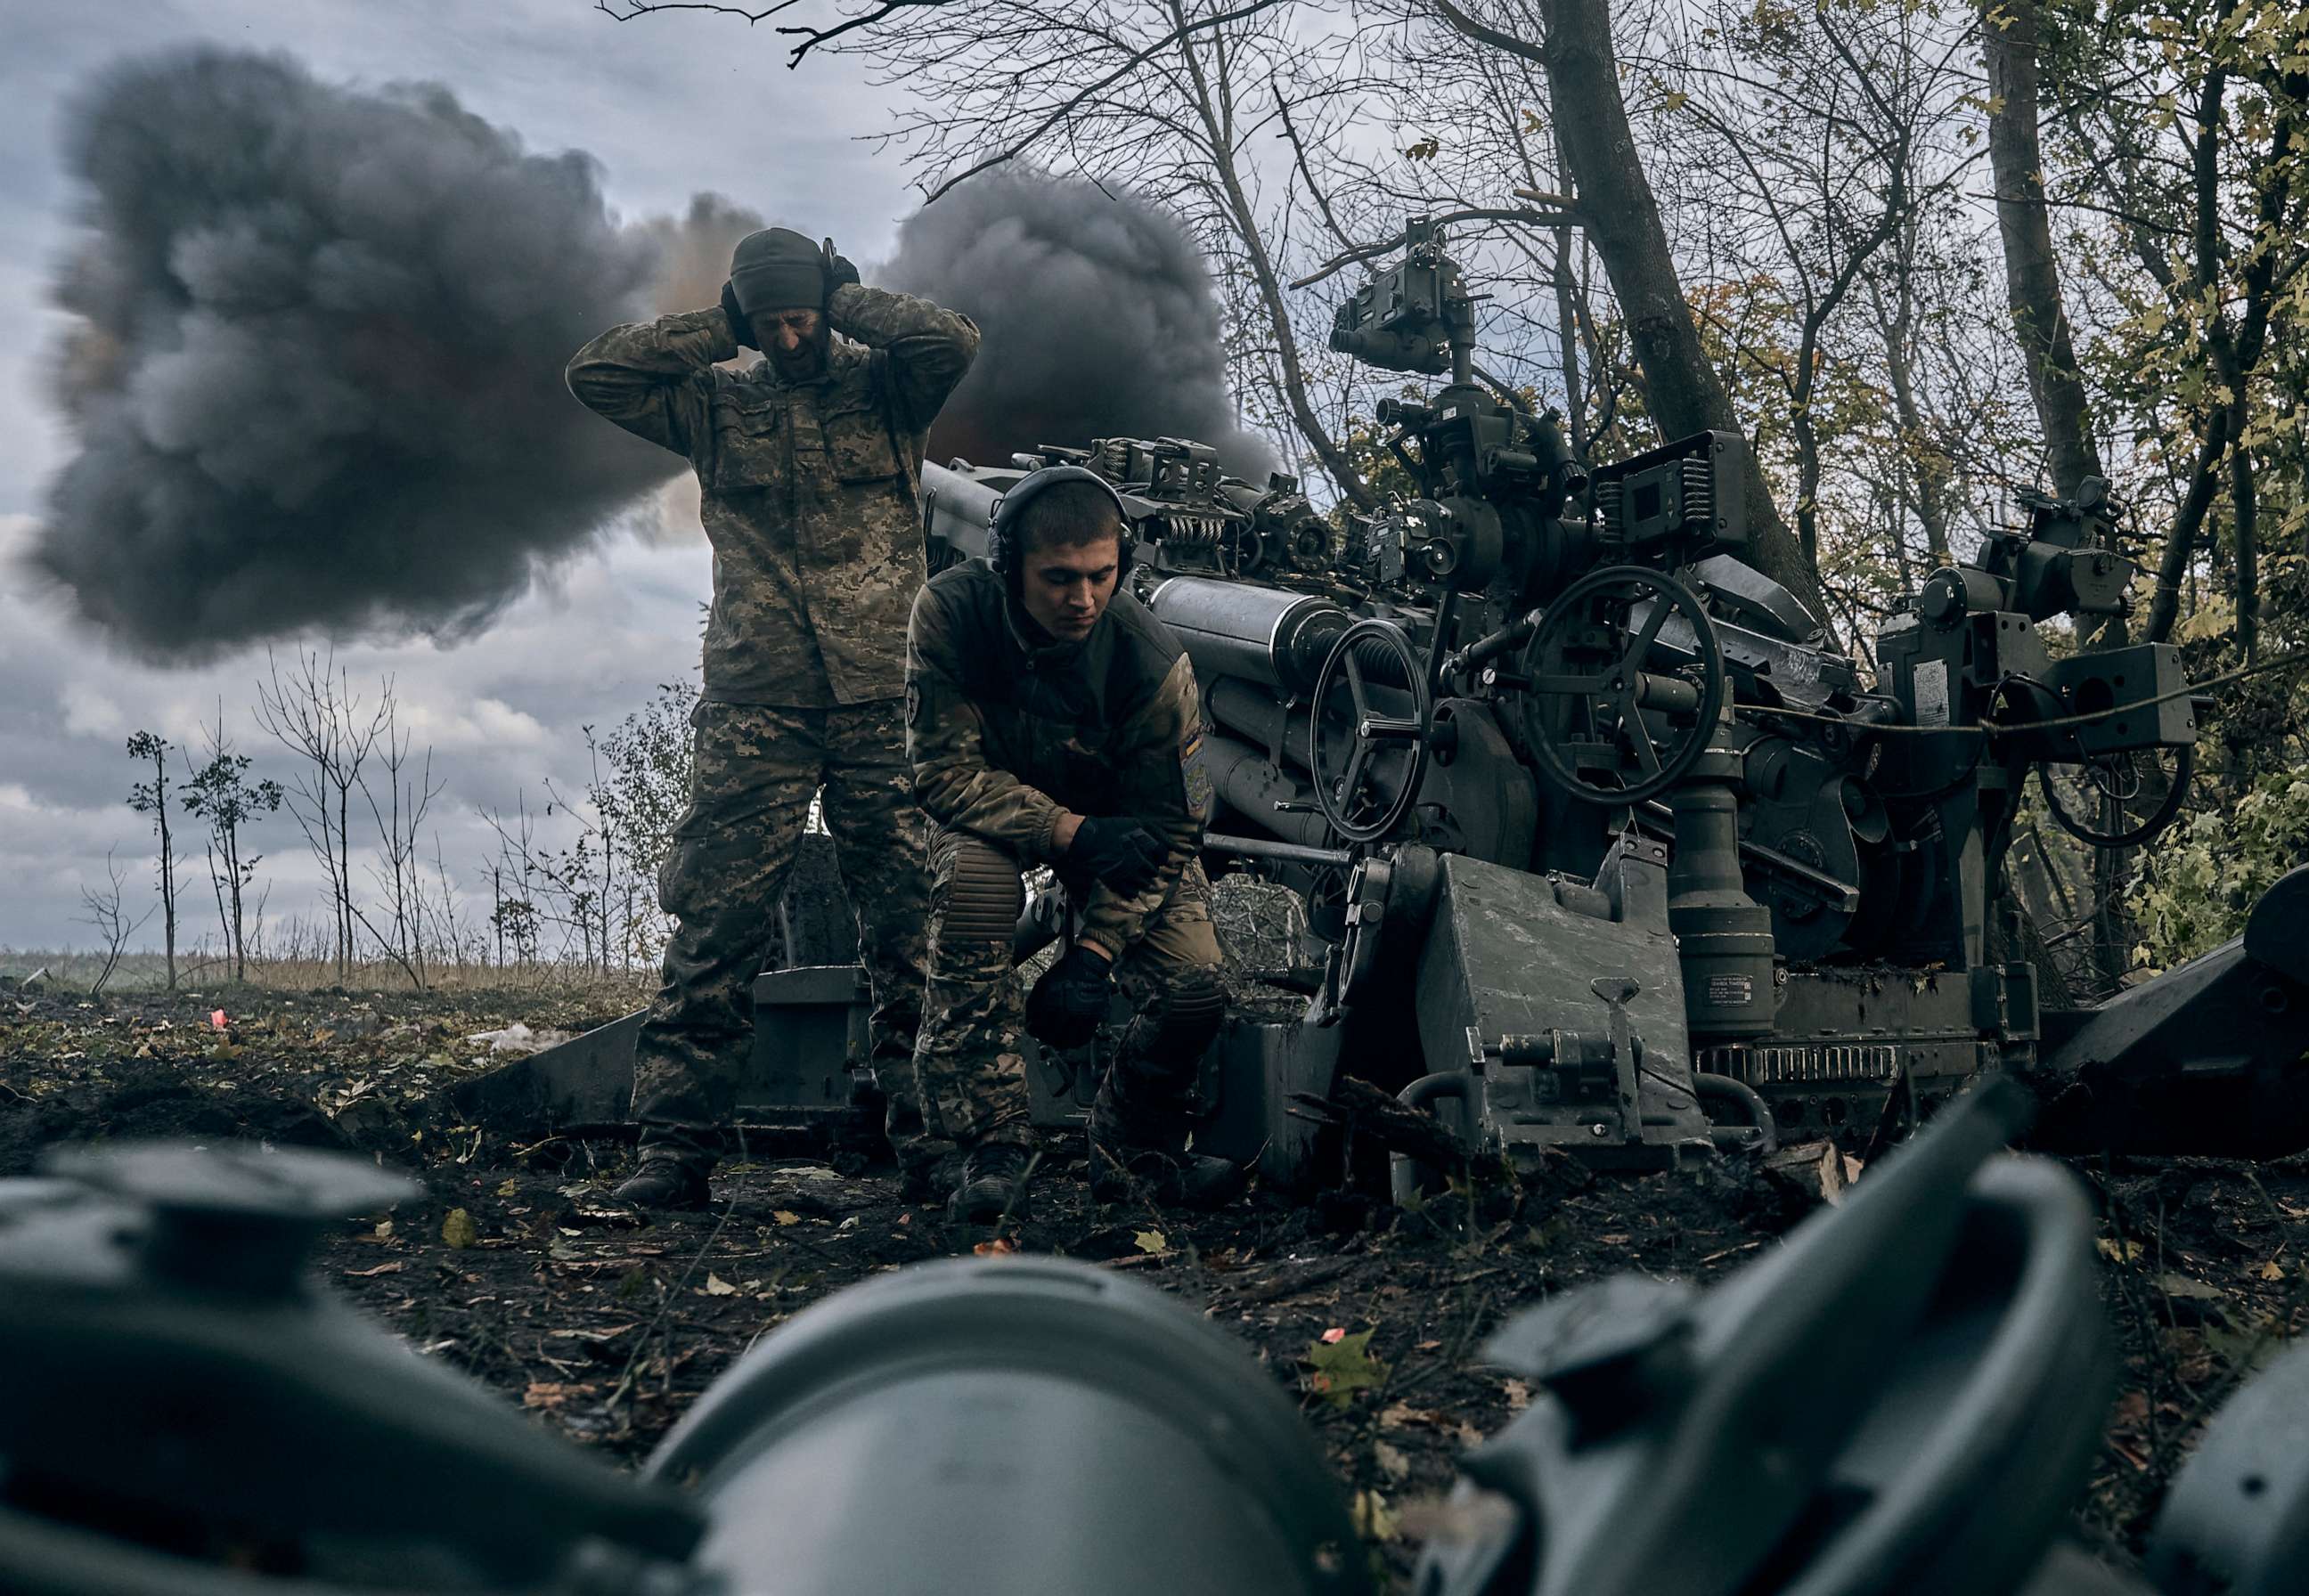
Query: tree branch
x: 1137, y: 58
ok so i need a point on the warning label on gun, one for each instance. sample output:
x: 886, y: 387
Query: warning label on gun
x: 1932, y: 692
x: 1730, y: 991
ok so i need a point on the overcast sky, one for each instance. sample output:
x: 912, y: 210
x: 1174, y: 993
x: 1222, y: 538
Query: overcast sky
x: 669, y: 106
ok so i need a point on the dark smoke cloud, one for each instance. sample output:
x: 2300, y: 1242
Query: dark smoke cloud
x: 1097, y: 314
x: 315, y: 374
x: 317, y: 381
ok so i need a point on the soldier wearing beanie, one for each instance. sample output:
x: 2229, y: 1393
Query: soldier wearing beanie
x: 808, y: 460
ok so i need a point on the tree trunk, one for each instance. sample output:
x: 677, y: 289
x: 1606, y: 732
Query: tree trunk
x: 1622, y: 222
x: 2181, y: 542
x: 1925, y: 457
x: 167, y: 866
x: 2032, y: 277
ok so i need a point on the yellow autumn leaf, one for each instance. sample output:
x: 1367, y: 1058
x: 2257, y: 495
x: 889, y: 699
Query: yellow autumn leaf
x: 1152, y: 1241
x: 1374, y: 1519
x: 716, y: 1286
x: 458, y: 1230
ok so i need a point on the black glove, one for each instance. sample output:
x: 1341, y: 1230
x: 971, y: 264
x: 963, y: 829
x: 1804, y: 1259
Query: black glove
x: 740, y: 328
x: 838, y: 270
x: 1066, y: 1005
x: 1119, y: 851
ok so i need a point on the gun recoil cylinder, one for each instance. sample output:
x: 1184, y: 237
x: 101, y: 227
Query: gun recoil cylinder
x: 1267, y: 635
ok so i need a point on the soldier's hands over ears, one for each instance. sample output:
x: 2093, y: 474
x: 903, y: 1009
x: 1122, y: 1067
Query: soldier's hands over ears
x: 740, y: 328
x: 838, y: 270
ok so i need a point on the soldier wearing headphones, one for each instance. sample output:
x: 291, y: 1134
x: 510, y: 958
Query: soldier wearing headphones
x: 1051, y: 719
x: 807, y: 462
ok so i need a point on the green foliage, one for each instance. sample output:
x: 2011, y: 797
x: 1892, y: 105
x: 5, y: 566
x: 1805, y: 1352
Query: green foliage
x: 2198, y: 884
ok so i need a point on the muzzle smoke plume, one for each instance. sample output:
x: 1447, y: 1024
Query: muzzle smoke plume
x: 1097, y: 315
x: 317, y: 377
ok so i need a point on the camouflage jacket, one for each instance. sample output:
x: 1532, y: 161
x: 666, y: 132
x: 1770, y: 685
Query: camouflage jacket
x: 1006, y: 734
x: 807, y: 488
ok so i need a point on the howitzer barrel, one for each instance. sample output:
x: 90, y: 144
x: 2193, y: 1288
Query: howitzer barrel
x: 1024, y: 1425
x: 1262, y: 634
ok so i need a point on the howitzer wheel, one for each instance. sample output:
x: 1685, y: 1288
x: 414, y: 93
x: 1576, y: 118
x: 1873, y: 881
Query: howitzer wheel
x: 1587, y: 683
x: 1366, y: 782
x: 2118, y: 800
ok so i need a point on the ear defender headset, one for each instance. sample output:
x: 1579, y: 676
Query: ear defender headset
x: 1003, y: 532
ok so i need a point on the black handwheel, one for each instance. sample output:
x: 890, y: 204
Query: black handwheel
x: 1587, y: 684
x: 1366, y: 789
x: 2126, y: 798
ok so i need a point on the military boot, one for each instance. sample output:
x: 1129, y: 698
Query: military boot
x: 1139, y: 1155
x: 990, y: 1183
x: 674, y: 1185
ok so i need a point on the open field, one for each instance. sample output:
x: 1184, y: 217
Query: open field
x: 605, y: 1328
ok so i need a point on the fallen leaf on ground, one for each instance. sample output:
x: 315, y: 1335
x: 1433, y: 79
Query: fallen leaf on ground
x: 1391, y: 1460
x: 2119, y: 1252
x: 716, y: 1286
x: 1000, y: 1246
x: 362, y: 1274
x: 1152, y: 1241
x: 1518, y: 1396
x: 1334, y: 1335
x: 458, y: 1229
x: 552, y: 1393
x: 2272, y: 1270
x: 786, y: 1216
x: 1374, y: 1519
x: 1343, y: 1367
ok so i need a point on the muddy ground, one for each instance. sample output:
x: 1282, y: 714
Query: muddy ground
x: 516, y: 1268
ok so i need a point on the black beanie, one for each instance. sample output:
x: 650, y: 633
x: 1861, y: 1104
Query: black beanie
x: 777, y: 269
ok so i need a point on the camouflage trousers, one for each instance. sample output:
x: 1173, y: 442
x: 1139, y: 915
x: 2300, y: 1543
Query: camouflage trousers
x: 969, y: 1070
x: 756, y: 769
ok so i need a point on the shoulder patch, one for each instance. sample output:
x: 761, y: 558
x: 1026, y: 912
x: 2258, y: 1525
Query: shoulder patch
x: 1195, y: 772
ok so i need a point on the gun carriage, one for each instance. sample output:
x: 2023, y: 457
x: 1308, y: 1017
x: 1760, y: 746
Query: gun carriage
x: 1607, y: 846
x: 1604, y: 844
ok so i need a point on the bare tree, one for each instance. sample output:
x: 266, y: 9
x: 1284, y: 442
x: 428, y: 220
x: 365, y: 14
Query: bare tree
x: 152, y: 798
x: 114, y: 927
x: 410, y: 790
x: 313, y: 713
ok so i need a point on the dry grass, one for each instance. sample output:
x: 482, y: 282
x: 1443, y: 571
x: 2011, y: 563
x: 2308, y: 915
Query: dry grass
x: 148, y: 972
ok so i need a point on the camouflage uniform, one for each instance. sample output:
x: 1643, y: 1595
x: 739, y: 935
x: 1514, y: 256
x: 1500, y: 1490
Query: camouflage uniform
x: 808, y: 499
x: 1007, y: 737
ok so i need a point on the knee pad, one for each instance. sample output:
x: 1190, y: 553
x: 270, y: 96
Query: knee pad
x: 984, y: 894
x: 1187, y: 1012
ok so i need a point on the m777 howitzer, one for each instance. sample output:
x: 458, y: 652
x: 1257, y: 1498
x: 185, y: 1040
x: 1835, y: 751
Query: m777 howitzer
x: 1610, y: 852
x: 1607, y: 849
x: 1906, y: 1395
